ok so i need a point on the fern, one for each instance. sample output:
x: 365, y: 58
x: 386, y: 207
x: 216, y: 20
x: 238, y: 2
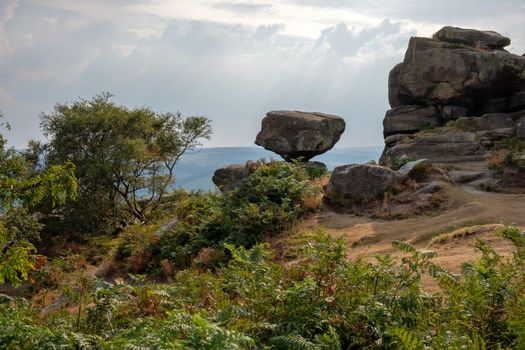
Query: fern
x: 407, y: 340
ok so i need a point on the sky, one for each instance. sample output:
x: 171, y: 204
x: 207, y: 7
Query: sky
x: 230, y: 60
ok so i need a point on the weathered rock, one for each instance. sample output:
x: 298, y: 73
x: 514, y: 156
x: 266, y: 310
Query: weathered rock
x: 496, y: 134
x: 229, y: 178
x: 451, y: 112
x: 454, y: 146
x: 357, y: 183
x: 435, y: 72
x: 465, y: 176
x: 520, y: 130
x: 491, y: 138
x: 393, y: 139
x: 430, y: 188
x: 460, y: 75
x: 293, y: 134
x: 409, y: 119
x: 481, y: 40
x: 485, y: 122
x: 393, y: 85
x: 406, y: 170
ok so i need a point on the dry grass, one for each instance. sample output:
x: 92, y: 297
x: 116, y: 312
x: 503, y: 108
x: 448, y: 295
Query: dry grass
x: 429, y: 236
x: 464, y: 232
x: 496, y: 158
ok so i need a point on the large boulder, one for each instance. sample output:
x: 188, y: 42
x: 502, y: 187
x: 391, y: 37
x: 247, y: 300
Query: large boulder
x: 393, y: 85
x: 294, y: 134
x: 439, y: 73
x: 479, y: 39
x: 229, y: 177
x: 462, y: 76
x: 409, y: 119
x: 358, y: 183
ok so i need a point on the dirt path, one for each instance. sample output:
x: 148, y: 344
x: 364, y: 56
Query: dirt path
x: 466, y: 208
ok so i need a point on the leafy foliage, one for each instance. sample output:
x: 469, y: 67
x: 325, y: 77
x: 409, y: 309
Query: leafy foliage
x: 321, y: 301
x: 122, y: 156
x: 397, y: 163
x: 19, y: 190
x: 267, y: 202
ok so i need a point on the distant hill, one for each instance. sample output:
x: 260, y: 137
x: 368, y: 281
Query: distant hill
x: 195, y: 169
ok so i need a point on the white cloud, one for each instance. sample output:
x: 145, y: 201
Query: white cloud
x: 6, y: 13
x: 232, y: 60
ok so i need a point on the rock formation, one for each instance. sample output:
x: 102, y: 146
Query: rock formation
x: 229, y: 177
x: 462, y: 79
x: 358, y: 183
x: 293, y: 134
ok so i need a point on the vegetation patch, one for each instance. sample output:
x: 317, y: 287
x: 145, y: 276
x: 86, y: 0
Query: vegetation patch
x: 464, y: 232
x: 268, y: 202
x: 322, y: 301
x: 425, y: 237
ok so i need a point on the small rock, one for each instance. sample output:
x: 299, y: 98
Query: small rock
x: 356, y: 183
x: 430, y: 188
x: 229, y: 178
x: 408, y: 169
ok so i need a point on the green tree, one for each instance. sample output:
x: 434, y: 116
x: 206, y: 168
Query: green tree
x: 121, y: 155
x: 20, y: 189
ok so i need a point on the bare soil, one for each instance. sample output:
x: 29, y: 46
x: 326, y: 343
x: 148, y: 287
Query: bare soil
x: 469, y: 214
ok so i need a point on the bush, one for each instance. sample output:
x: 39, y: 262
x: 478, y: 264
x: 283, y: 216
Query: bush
x: 397, y: 163
x: 268, y: 202
x: 512, y: 155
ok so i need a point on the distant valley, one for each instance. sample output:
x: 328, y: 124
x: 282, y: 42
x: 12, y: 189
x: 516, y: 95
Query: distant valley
x: 196, y: 168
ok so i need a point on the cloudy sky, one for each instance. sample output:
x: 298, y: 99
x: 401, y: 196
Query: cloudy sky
x: 231, y: 60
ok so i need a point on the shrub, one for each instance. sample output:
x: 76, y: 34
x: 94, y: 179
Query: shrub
x: 397, y: 163
x: 268, y: 202
x: 321, y: 301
